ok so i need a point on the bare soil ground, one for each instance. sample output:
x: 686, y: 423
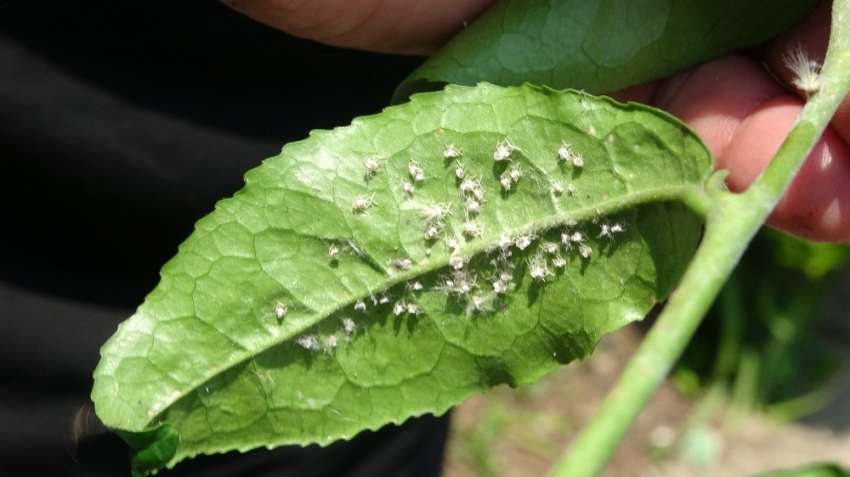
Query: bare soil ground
x: 522, y: 432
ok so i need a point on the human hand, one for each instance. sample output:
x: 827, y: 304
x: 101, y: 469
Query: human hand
x: 388, y: 26
x: 743, y: 115
x: 736, y: 106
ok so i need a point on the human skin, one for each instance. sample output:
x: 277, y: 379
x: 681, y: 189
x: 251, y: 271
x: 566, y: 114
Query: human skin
x: 740, y: 110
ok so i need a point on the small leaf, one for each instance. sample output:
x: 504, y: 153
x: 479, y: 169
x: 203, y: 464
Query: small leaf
x: 151, y: 449
x: 599, y: 45
x: 817, y: 470
x: 359, y: 279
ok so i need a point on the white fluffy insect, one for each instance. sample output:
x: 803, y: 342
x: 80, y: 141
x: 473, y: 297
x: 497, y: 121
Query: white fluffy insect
x: 478, y: 193
x: 505, y: 242
x: 435, y: 213
x: 399, y: 307
x: 584, y: 250
x: 432, y: 231
x: 372, y: 164
x: 331, y: 342
x: 468, y: 185
x: 402, y: 264
x: 463, y: 282
x: 460, y: 171
x: 480, y: 303
x: 500, y: 287
x: 310, y: 342
x: 408, y: 188
x: 360, y: 306
x: 415, y: 286
x: 472, y: 188
x: 416, y: 172
x: 452, y: 243
x: 473, y: 229
x: 414, y: 309
x: 523, y: 241
x: 566, y: 153
x: 451, y: 152
x: 280, y: 311
x: 503, y: 151
x: 572, y: 190
x: 363, y: 203
x: 608, y: 230
x: 559, y: 262
x: 538, y: 269
x: 348, y: 325
x: 457, y: 262
x: 333, y: 252
x: 806, y: 71
x: 515, y: 173
x: 502, y: 282
x: 472, y: 206
x: 506, y: 182
x: 550, y: 248
x: 558, y: 187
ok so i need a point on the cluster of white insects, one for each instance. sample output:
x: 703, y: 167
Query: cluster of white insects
x: 479, y: 286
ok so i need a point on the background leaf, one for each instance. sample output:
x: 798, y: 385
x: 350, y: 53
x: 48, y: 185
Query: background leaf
x: 599, y: 45
x: 818, y: 470
x: 352, y: 283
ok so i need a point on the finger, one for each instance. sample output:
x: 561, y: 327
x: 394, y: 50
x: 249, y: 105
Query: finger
x: 743, y: 116
x: 810, y: 37
x: 390, y: 26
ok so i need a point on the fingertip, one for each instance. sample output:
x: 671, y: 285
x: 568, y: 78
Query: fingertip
x: 817, y: 204
x: 743, y: 116
x: 386, y: 26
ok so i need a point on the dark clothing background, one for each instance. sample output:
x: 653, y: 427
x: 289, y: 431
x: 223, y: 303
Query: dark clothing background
x: 121, y: 123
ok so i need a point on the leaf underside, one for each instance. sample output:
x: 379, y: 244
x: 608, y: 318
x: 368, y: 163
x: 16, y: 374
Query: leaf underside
x: 356, y: 280
x: 599, y: 46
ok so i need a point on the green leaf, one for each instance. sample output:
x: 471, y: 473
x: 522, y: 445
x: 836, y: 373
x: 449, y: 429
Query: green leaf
x: 324, y: 299
x: 818, y: 470
x: 599, y: 45
x: 151, y: 449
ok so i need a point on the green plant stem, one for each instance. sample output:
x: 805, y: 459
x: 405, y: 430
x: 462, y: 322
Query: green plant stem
x: 730, y: 226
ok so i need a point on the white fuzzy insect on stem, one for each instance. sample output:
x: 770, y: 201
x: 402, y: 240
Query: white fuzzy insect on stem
x: 806, y: 70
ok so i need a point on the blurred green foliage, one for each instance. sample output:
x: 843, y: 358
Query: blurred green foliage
x: 760, y: 345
